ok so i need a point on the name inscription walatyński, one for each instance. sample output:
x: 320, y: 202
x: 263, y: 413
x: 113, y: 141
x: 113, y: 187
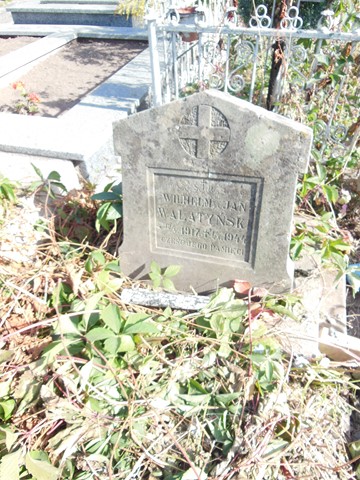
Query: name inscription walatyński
x: 214, y: 215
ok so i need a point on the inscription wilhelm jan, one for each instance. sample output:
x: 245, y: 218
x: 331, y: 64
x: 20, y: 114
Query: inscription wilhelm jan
x: 198, y: 215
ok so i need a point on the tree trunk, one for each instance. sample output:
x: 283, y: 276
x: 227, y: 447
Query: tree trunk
x: 278, y: 56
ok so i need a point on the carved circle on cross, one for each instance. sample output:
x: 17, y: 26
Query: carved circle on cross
x: 204, y: 132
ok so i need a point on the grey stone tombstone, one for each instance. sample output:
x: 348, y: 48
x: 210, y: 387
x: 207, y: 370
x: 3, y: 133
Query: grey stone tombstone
x: 209, y: 184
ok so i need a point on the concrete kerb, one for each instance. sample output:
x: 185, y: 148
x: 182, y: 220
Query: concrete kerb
x: 84, y: 133
x: 17, y: 63
x: 34, y: 12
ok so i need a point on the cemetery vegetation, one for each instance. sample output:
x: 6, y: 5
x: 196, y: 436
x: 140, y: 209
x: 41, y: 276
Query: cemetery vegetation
x: 92, y: 388
x: 28, y: 102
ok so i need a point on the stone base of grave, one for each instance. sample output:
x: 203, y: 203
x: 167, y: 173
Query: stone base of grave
x: 19, y: 168
x: 100, y: 13
x: 323, y: 297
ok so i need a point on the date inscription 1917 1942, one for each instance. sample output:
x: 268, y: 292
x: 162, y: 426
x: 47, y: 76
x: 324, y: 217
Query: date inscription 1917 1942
x: 206, y: 215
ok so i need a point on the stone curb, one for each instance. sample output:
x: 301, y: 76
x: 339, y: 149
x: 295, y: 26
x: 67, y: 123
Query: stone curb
x: 84, y: 133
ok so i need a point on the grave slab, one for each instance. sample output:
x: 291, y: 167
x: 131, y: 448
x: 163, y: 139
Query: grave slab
x: 68, y: 14
x: 22, y: 60
x: 19, y: 168
x: 209, y: 184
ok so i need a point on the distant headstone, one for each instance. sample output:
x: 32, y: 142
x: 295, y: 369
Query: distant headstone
x: 209, y: 184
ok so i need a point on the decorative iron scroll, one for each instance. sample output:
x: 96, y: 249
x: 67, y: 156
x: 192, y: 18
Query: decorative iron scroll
x: 238, y: 60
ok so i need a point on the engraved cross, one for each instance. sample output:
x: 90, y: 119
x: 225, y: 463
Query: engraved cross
x: 204, y: 133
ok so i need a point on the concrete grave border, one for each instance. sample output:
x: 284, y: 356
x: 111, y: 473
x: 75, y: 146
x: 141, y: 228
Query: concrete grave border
x: 70, y: 12
x: 84, y: 133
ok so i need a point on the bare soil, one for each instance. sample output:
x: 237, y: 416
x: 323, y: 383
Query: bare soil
x: 63, y: 78
x: 10, y: 44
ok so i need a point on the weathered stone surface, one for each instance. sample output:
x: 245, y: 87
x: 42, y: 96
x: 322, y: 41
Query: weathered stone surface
x: 141, y: 296
x: 209, y: 183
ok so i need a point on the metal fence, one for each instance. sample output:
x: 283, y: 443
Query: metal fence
x: 310, y: 75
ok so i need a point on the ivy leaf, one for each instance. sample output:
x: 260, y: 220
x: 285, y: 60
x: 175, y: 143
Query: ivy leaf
x: 99, y: 333
x: 9, y: 467
x: 105, y: 196
x: 111, y: 316
x: 107, y: 282
x: 10, y: 437
x: 172, y: 270
x: 90, y: 306
x: 155, y: 267
x: 331, y: 193
x: 85, y: 374
x: 38, y: 171
x: 195, y: 400
x: 101, y: 218
x: 39, y: 467
x: 140, y: 323
x: 6, y: 408
x: 27, y: 389
x: 54, y: 175
x: 114, y: 212
x: 281, y: 310
x: 226, y: 398
x: 156, y: 278
x: 67, y: 326
x: 168, y: 284
x: 121, y: 343
x: 323, y: 59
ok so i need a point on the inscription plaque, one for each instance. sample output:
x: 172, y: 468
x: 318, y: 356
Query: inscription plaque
x: 212, y: 216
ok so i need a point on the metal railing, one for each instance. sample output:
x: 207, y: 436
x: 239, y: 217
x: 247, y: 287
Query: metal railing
x: 282, y: 69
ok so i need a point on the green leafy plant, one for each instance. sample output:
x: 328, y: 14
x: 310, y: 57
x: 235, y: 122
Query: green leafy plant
x: 7, y: 190
x: 28, y: 105
x: 162, y: 276
x: 111, y: 208
x: 186, y: 387
x: 51, y: 184
x: 318, y: 236
x: 7, y: 404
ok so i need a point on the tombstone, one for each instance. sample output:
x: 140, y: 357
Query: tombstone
x: 209, y: 184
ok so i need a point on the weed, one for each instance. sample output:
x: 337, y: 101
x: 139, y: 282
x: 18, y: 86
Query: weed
x: 111, y: 208
x: 7, y: 190
x: 93, y: 389
x: 50, y: 185
x: 158, y: 391
x: 28, y: 105
x: 162, y: 277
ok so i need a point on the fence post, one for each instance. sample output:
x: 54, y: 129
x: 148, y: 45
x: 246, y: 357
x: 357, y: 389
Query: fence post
x: 154, y: 61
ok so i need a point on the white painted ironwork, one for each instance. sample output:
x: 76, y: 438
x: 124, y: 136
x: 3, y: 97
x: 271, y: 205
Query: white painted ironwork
x: 247, y: 61
x: 261, y: 19
x: 326, y: 21
x: 292, y: 20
